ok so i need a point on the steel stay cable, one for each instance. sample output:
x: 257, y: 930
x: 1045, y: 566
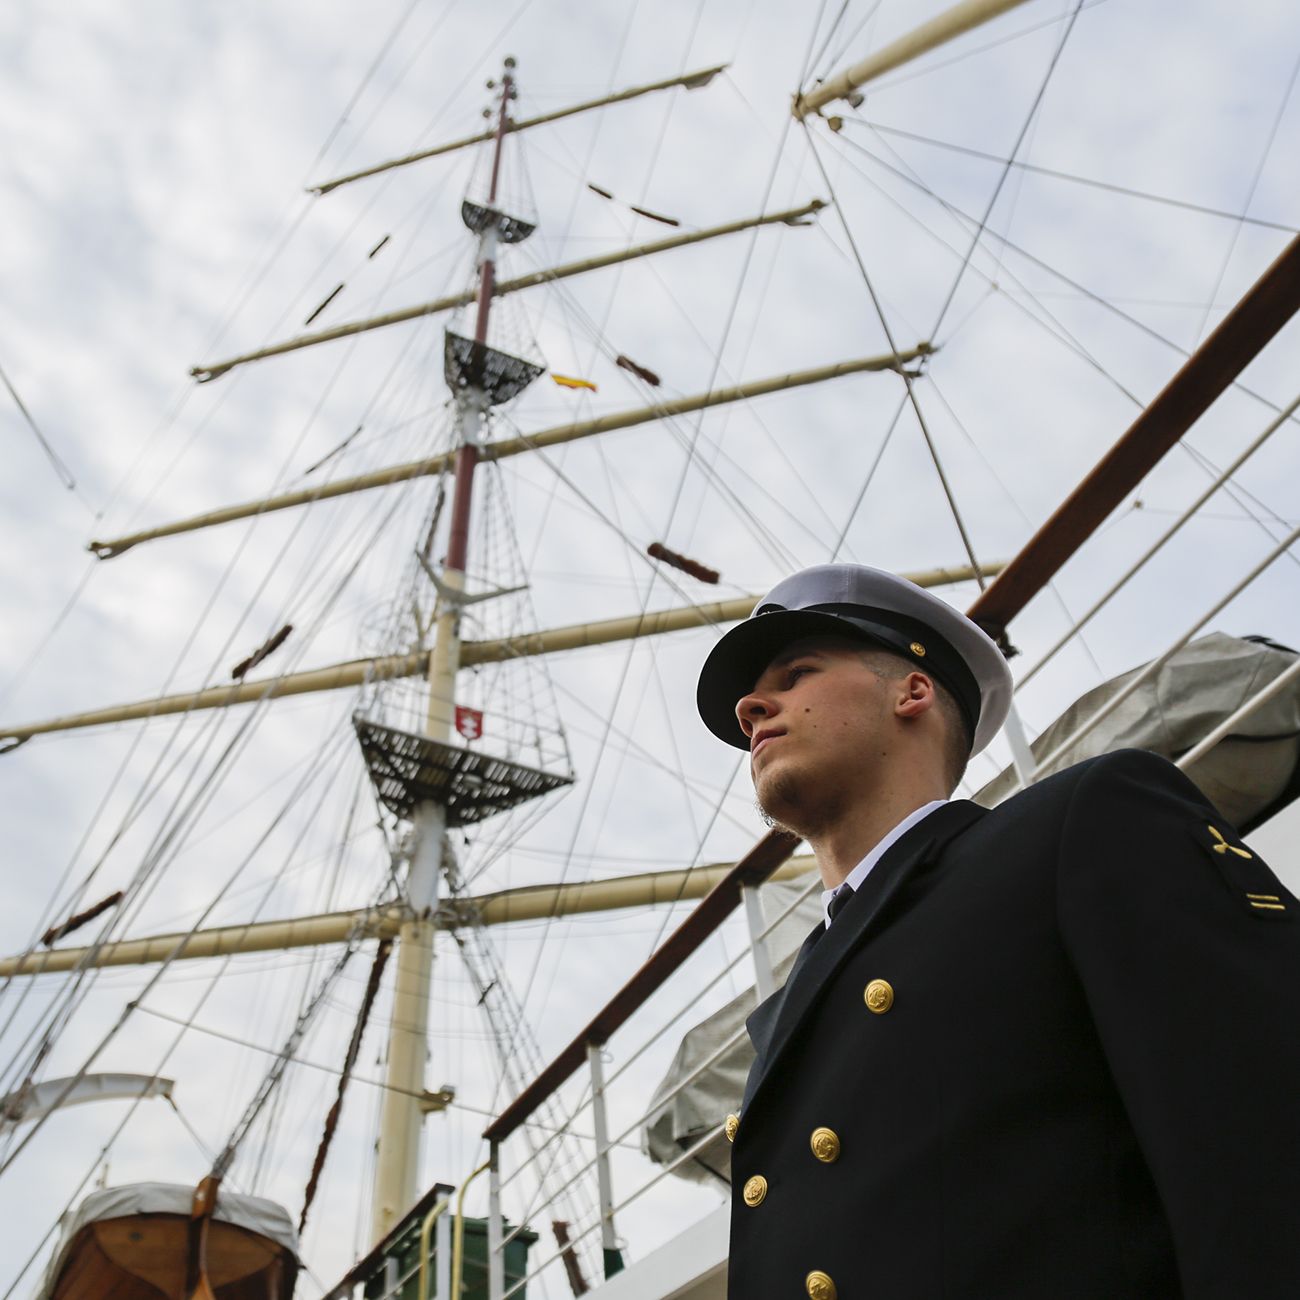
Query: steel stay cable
x: 244, y: 733
x: 975, y: 51
x: 1060, y: 332
x: 212, y: 985
x: 881, y: 129
x: 830, y: 36
x: 152, y: 982
x: 699, y: 422
x: 507, y: 1047
x: 1159, y: 662
x: 1092, y: 296
x: 1253, y: 508
x: 145, y: 794
x: 1220, y: 481
x: 421, y: 210
x: 731, y: 964
x: 852, y: 36
x: 671, y: 1021
x: 304, y: 205
x: 1250, y: 197
x: 1067, y: 337
x: 762, y: 534
x: 1055, y: 329
x: 210, y: 729
x: 902, y: 370
x: 943, y: 311
x: 104, y: 1150
x: 1015, y: 149
x: 57, y: 462
x: 215, y: 980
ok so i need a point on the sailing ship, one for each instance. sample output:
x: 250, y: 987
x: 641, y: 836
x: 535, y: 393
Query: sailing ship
x: 450, y: 710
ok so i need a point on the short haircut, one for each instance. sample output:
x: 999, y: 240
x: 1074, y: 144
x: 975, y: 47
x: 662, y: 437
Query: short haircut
x: 956, y: 737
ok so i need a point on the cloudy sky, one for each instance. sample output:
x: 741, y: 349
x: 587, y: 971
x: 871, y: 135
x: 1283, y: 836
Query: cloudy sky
x: 155, y: 161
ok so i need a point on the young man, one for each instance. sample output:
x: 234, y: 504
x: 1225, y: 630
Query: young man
x: 1050, y: 1051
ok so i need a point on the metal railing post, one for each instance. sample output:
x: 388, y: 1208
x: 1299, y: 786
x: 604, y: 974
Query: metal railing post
x: 442, y: 1257
x: 495, y: 1244
x: 613, y: 1257
x: 757, y: 923
x: 435, y: 1215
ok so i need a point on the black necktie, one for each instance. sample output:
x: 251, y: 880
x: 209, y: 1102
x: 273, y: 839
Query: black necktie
x: 840, y: 901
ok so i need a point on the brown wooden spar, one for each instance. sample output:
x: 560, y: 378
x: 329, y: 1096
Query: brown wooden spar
x: 1266, y: 307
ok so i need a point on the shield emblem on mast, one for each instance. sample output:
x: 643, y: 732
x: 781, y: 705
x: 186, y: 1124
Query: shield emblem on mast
x: 469, y: 722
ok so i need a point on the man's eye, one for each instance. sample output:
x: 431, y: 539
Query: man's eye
x: 795, y: 673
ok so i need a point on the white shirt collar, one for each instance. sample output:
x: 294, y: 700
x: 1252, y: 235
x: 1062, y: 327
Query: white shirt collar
x: 859, y: 873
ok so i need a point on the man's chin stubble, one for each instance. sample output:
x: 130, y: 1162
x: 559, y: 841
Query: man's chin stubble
x: 781, y: 804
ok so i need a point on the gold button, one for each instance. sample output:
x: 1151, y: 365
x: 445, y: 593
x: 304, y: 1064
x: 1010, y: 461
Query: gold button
x: 730, y: 1127
x: 755, y: 1191
x: 917, y: 649
x: 819, y: 1286
x: 825, y: 1143
x: 879, y: 996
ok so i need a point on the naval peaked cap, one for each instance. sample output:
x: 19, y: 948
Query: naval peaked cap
x: 869, y: 605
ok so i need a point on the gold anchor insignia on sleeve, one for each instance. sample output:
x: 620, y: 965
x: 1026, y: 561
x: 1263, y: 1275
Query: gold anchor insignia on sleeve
x: 1222, y: 846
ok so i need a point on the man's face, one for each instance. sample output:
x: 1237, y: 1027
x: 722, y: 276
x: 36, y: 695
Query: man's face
x: 818, y: 721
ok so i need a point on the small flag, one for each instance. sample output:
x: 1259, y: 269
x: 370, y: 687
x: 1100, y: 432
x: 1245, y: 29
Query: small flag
x: 469, y: 722
x: 568, y: 381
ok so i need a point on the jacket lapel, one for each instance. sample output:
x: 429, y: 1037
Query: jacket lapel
x: 762, y: 1020
x: 775, y: 1021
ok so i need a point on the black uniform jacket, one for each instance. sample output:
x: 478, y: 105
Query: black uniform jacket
x: 1047, y: 1051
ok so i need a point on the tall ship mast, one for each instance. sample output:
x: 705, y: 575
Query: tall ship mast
x: 479, y: 606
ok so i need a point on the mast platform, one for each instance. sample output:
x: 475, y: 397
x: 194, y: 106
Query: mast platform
x: 408, y: 769
x: 469, y: 364
x: 510, y: 230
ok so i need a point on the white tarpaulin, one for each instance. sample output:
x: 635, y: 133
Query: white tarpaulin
x: 1249, y: 776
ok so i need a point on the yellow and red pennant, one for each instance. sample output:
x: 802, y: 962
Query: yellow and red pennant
x: 569, y: 381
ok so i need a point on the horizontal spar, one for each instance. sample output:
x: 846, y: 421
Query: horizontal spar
x: 790, y: 217
x: 353, y: 672
x: 654, y: 623
x: 941, y: 29
x: 689, y: 80
x: 433, y: 465
x: 531, y: 903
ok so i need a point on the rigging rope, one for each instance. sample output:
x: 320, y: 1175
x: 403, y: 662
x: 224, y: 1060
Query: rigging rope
x: 1242, y: 217
x: 907, y: 379
x: 382, y: 952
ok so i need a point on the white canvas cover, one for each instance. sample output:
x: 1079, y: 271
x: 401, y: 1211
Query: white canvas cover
x: 1249, y: 776
x: 253, y: 1213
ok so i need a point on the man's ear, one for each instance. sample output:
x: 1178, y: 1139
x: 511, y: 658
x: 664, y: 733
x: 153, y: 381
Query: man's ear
x: 916, y: 695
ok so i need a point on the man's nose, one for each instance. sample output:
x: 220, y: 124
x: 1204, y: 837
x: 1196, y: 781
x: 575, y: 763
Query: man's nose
x: 751, y: 709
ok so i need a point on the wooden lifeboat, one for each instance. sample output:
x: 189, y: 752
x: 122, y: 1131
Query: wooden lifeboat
x: 133, y: 1243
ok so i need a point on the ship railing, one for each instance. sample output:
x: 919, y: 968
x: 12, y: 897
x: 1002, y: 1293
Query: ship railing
x: 590, y: 1096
